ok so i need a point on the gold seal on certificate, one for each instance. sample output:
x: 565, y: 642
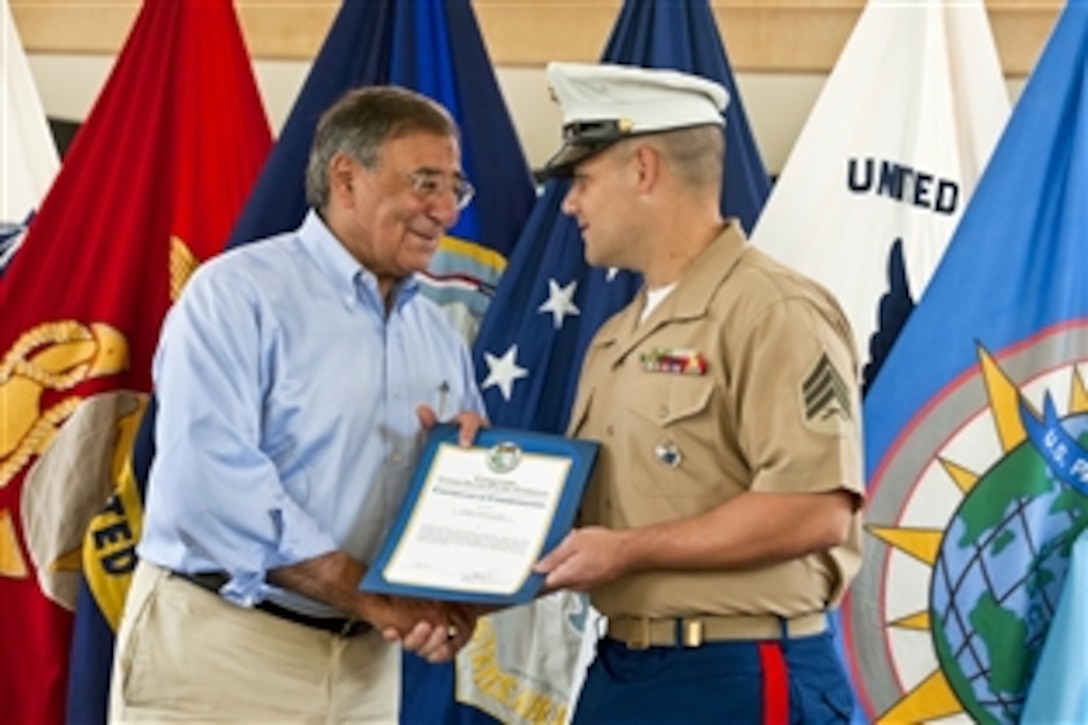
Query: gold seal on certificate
x: 475, y: 520
x: 504, y: 457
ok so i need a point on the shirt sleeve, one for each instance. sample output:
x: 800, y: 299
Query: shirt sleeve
x: 213, y: 489
x: 798, y: 400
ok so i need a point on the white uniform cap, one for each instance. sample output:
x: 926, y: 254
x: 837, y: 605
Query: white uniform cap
x: 604, y: 103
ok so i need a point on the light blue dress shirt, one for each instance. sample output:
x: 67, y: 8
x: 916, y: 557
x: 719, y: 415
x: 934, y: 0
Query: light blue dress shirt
x: 287, y: 423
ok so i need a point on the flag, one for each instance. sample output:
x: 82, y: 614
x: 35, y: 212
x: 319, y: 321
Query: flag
x: 434, y: 47
x: 887, y: 160
x: 149, y: 188
x: 524, y: 664
x: 98, y: 609
x: 975, y: 429
x: 28, y: 156
x: 1059, y: 689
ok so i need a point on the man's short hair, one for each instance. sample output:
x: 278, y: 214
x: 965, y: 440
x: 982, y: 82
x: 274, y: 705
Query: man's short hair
x: 697, y: 154
x: 361, y: 123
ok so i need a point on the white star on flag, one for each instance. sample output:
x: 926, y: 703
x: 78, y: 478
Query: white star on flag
x: 503, y: 371
x: 611, y: 273
x: 560, y: 301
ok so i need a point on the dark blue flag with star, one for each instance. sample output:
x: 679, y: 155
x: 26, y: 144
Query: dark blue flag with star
x: 434, y: 47
x: 550, y: 302
x: 529, y: 351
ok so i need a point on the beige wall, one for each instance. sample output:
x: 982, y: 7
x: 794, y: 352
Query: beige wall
x: 781, y: 51
x: 762, y: 35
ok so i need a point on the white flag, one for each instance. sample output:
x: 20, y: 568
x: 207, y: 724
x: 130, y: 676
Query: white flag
x: 28, y: 156
x: 892, y: 151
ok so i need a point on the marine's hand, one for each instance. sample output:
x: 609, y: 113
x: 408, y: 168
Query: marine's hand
x: 469, y: 422
x: 585, y: 559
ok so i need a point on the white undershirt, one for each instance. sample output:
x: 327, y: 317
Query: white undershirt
x: 653, y: 299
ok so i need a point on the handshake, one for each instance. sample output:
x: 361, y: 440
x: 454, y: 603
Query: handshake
x: 433, y: 630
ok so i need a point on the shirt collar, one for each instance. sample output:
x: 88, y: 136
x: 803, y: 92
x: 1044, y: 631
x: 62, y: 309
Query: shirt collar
x: 341, y: 268
x: 693, y: 292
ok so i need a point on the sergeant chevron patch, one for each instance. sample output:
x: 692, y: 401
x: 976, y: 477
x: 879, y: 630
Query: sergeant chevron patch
x: 825, y: 398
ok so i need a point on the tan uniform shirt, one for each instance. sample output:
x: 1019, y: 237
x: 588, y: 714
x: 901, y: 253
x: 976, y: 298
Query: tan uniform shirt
x: 776, y: 409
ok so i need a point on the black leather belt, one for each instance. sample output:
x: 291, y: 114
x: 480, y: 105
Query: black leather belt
x: 213, y: 581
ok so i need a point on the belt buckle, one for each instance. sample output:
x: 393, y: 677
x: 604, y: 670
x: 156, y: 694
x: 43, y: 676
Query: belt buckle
x: 641, y: 637
x: 693, y: 632
x: 349, y: 627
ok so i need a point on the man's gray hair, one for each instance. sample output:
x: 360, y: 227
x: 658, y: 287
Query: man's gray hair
x: 361, y: 122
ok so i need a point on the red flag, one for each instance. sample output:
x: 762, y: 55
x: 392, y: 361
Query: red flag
x: 150, y: 187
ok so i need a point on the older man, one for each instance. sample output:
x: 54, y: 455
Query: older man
x: 295, y: 377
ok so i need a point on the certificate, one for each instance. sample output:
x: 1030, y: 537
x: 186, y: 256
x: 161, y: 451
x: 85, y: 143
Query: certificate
x: 475, y: 520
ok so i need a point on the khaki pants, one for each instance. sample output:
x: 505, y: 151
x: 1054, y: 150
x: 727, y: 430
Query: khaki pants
x: 184, y: 653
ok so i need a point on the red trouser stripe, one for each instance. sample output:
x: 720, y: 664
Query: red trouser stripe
x: 776, y: 684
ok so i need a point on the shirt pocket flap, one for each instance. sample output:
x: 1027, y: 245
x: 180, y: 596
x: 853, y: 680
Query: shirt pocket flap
x: 684, y: 398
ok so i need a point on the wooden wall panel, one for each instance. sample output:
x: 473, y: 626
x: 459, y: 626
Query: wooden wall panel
x: 762, y: 35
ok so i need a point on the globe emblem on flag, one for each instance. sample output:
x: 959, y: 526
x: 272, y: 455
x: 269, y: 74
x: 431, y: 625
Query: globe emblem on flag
x: 970, y: 525
x: 998, y: 576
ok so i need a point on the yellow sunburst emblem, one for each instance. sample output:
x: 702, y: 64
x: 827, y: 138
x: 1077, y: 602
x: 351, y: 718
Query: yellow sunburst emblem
x: 969, y: 547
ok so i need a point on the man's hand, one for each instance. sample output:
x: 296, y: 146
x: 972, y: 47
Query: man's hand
x: 469, y: 422
x: 586, y: 559
x: 433, y: 630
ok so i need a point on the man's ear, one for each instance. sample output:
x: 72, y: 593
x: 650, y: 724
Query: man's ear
x: 342, y: 174
x: 647, y: 166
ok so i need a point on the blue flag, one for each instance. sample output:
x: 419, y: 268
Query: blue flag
x: 98, y: 611
x: 434, y: 47
x: 977, y: 429
x: 1059, y: 689
x: 551, y: 302
x: 521, y: 665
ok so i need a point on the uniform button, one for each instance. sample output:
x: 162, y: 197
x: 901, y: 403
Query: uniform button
x: 397, y: 457
x: 663, y: 411
x: 396, y: 392
x: 608, y: 429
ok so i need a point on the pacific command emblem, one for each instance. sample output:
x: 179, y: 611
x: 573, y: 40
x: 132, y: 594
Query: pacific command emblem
x: 972, y: 517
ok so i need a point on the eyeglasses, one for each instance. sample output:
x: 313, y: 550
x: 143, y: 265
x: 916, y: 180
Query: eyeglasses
x: 429, y: 185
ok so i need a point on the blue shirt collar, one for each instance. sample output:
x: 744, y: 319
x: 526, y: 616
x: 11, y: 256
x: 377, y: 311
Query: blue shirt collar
x: 343, y: 270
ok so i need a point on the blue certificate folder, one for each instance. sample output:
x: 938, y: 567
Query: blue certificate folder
x: 528, y: 474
